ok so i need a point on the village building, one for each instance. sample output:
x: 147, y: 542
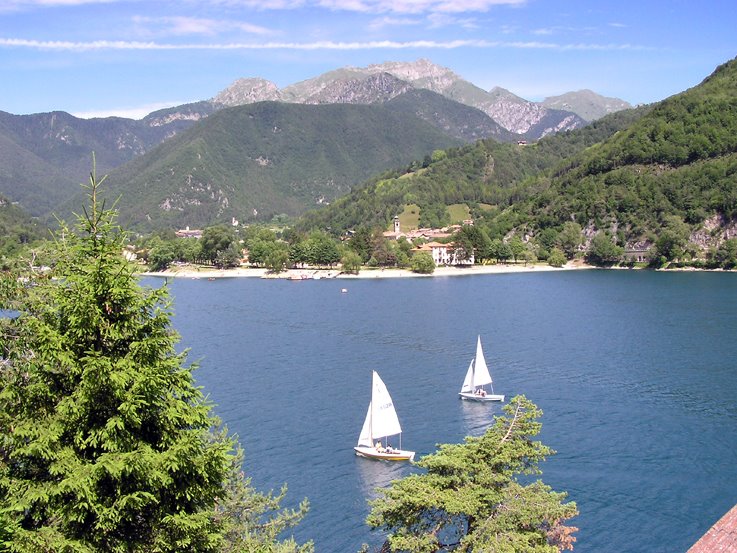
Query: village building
x: 423, y: 233
x: 188, y: 233
x: 444, y: 254
x: 637, y: 255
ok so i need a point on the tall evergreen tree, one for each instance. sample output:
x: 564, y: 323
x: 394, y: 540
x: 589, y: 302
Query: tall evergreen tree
x: 106, y: 442
x: 470, y: 497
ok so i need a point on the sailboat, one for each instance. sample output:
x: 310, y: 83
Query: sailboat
x: 381, y: 422
x: 477, y: 378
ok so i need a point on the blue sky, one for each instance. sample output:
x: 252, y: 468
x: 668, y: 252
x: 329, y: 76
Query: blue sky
x: 130, y: 57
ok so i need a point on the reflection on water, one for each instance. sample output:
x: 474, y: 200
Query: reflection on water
x: 375, y: 474
x: 477, y: 416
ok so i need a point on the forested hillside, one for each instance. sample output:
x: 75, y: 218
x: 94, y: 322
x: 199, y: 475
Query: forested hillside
x: 675, y: 166
x: 17, y: 229
x: 256, y: 161
x: 44, y: 156
x: 487, y: 176
x: 661, y: 178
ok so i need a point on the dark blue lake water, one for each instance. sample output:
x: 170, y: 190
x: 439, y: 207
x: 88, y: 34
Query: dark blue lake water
x: 636, y: 373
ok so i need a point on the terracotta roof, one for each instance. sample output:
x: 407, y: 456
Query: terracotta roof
x: 721, y: 538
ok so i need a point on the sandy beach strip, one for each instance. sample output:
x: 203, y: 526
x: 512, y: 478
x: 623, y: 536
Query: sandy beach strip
x: 317, y: 274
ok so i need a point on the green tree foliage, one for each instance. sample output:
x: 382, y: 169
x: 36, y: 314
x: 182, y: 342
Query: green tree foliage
x: 470, y: 498
x: 557, y: 258
x: 570, y: 238
x: 215, y: 240
x: 434, y: 215
x: 229, y: 257
x: 351, y: 262
x: 726, y: 255
x: 422, y: 263
x: 161, y: 255
x: 604, y: 251
x: 276, y: 257
x: 321, y: 249
x: 106, y: 439
x: 671, y: 242
x: 517, y: 246
x: 473, y: 239
x: 106, y: 444
x: 253, y: 521
x: 17, y: 230
x: 361, y: 242
x: 502, y: 250
x: 262, y: 245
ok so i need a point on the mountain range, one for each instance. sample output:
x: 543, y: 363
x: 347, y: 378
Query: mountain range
x: 661, y: 177
x: 44, y: 157
x: 382, y: 82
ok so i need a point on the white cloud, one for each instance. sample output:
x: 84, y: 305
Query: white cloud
x: 542, y: 32
x: 319, y: 45
x: 180, y: 26
x: 438, y: 20
x: 376, y: 6
x: 415, y: 6
x: 45, y: 3
x: 261, y: 4
x: 8, y: 6
x: 383, y: 22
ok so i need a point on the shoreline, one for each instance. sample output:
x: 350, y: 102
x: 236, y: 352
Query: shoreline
x: 320, y: 274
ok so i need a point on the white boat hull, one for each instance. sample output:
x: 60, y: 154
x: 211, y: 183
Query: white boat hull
x: 394, y: 455
x: 476, y: 397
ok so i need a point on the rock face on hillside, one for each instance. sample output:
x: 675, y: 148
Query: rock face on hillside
x: 586, y: 104
x: 179, y: 117
x: 371, y: 89
x: 517, y: 114
x: 421, y: 74
x: 248, y: 91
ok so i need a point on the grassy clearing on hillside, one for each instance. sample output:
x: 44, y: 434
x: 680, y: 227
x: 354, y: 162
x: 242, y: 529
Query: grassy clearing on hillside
x: 458, y: 213
x: 409, y: 218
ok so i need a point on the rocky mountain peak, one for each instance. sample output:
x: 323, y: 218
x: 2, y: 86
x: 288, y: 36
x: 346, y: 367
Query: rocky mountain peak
x: 375, y: 88
x: 248, y: 91
x: 385, y: 81
x: 586, y: 103
x: 413, y: 70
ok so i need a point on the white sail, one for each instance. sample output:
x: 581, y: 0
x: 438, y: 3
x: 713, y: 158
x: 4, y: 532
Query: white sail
x: 384, y: 421
x: 468, y: 381
x: 381, y: 418
x: 481, y: 374
x: 365, y: 437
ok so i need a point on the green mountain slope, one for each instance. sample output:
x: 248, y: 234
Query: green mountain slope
x: 587, y: 104
x: 252, y: 162
x: 16, y: 228
x: 662, y: 177
x: 680, y: 160
x: 454, y: 118
x: 487, y: 176
x: 44, y: 156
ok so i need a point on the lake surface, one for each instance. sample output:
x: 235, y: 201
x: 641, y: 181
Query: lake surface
x: 636, y: 373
